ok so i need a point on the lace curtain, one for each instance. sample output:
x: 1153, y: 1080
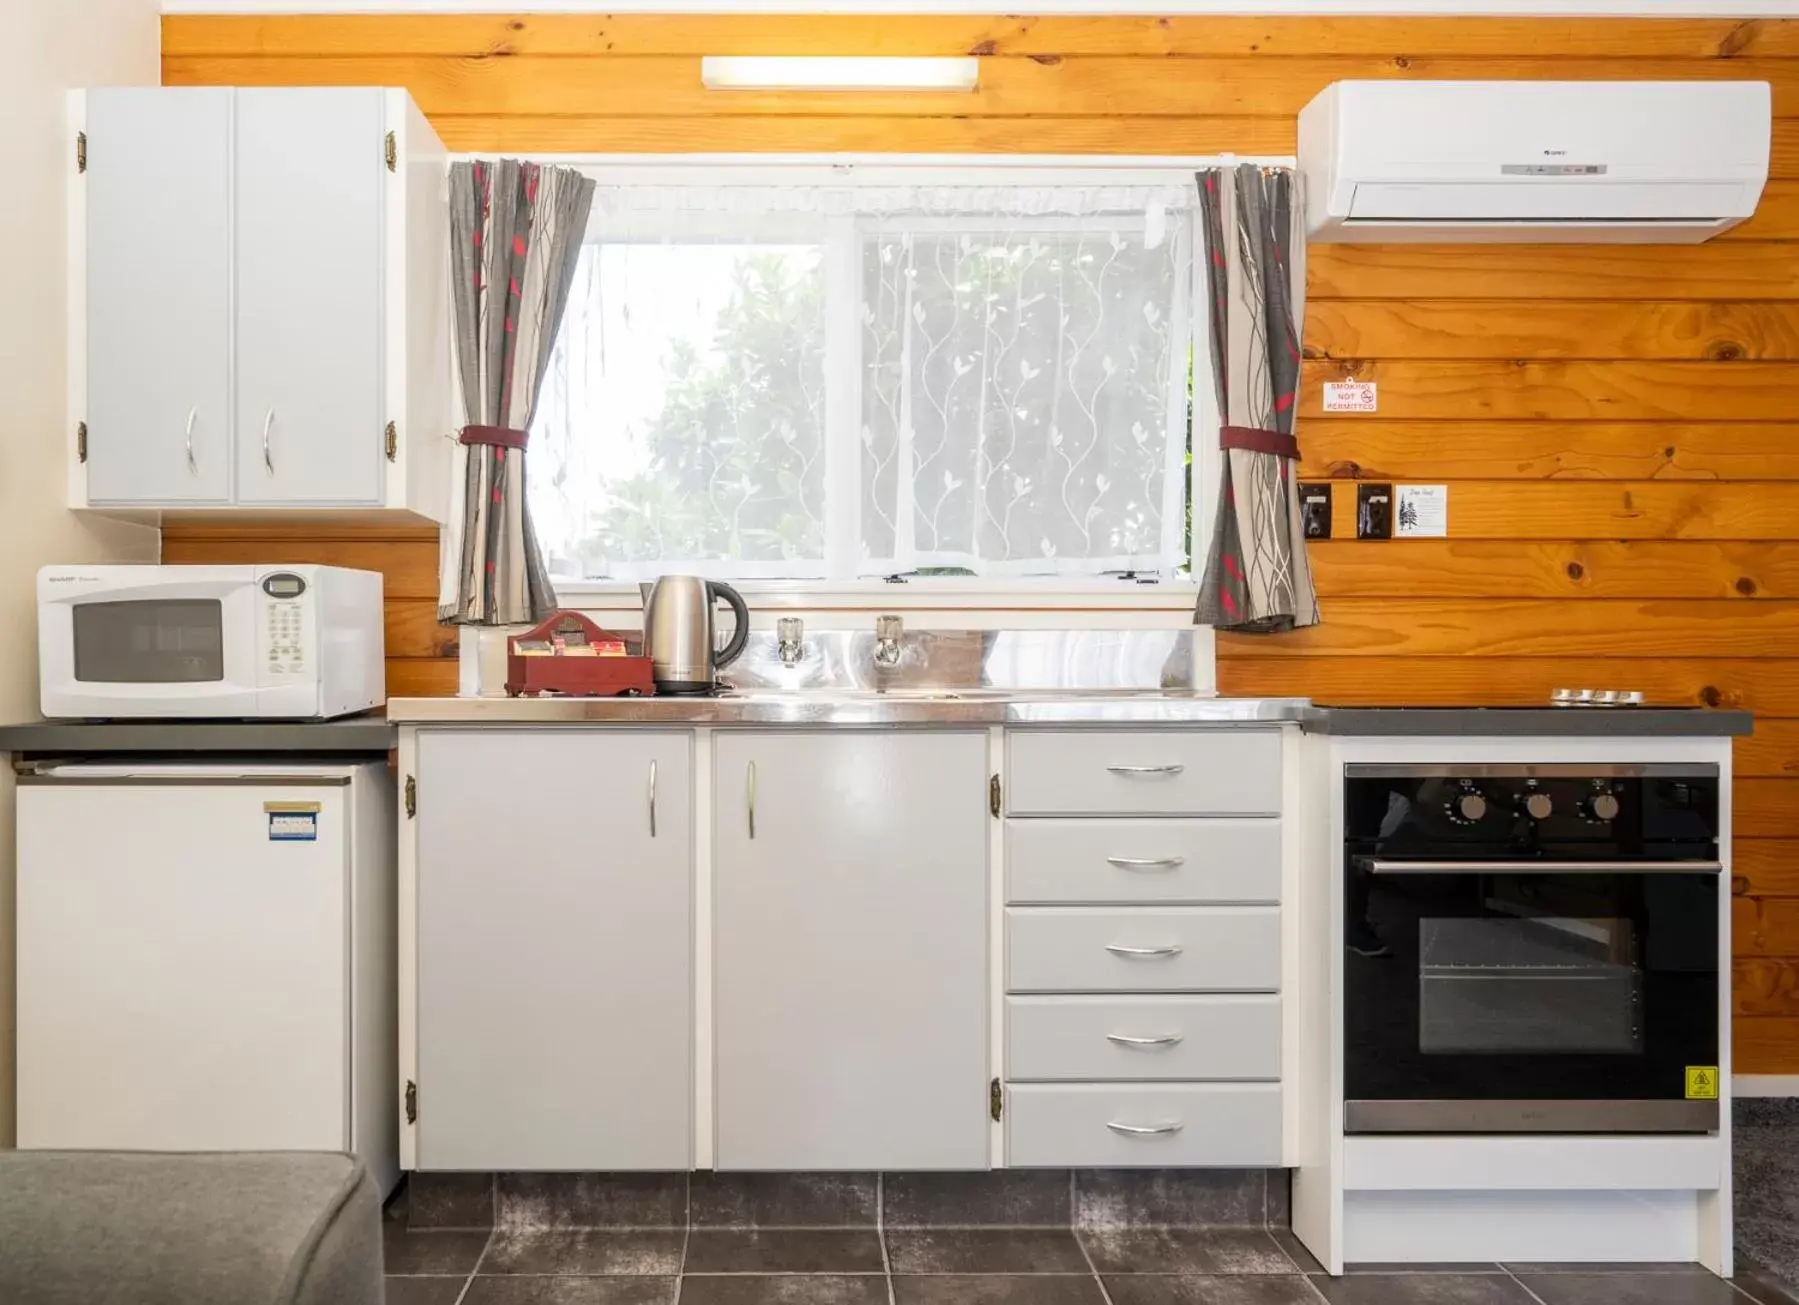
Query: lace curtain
x: 843, y: 381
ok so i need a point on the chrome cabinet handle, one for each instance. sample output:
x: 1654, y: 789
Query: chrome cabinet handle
x: 1118, y: 950
x: 1163, y: 1040
x: 652, y: 799
x: 193, y: 467
x: 1147, y: 863
x: 1375, y: 865
x: 752, y: 795
x: 1174, y: 769
x: 267, y: 459
x: 1150, y: 1130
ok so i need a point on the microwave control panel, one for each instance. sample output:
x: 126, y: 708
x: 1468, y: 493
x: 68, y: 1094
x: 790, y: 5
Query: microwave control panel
x: 285, y: 633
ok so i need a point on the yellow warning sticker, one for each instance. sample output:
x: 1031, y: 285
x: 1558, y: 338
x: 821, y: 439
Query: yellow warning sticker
x: 1702, y: 1082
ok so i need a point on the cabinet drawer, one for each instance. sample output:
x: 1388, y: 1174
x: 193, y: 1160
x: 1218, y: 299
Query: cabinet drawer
x: 1143, y: 1037
x: 1088, y: 1125
x: 1143, y: 949
x: 1143, y: 860
x: 1144, y: 772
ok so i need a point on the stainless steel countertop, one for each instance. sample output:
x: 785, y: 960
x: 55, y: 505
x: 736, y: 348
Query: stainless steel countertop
x: 860, y: 707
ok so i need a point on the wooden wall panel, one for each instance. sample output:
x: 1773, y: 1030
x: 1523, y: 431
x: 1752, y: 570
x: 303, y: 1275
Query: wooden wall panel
x: 1615, y: 423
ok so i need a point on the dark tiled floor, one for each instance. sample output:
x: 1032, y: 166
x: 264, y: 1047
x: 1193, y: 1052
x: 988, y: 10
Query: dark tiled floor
x: 982, y: 1266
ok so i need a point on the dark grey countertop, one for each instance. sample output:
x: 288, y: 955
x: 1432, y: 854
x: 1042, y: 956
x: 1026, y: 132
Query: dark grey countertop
x: 370, y: 732
x: 1526, y: 722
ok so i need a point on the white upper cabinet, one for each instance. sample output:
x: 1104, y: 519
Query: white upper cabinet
x: 159, y: 320
x: 262, y: 301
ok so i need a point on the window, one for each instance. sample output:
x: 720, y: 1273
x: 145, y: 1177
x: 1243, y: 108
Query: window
x: 832, y: 373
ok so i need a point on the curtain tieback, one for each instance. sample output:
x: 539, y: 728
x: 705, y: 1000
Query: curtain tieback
x: 1258, y: 441
x: 500, y: 437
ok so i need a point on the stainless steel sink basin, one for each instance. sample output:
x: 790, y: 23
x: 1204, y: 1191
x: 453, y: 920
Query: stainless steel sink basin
x: 939, y: 694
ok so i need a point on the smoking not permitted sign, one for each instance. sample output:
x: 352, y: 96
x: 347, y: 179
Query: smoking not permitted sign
x: 1350, y: 396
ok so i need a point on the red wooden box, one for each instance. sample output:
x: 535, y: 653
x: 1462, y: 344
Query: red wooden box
x: 560, y: 657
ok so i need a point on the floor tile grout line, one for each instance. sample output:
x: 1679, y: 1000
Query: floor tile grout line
x: 1092, y: 1268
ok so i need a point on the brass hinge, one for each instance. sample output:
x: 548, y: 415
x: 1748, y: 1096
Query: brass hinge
x: 412, y: 796
x: 393, y: 153
x: 81, y: 441
x: 993, y: 796
x: 393, y: 442
x: 996, y: 1100
x: 81, y: 151
x: 412, y: 1102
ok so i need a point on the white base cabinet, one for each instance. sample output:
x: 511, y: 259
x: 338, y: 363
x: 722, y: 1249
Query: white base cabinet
x: 850, y: 943
x: 781, y: 948
x: 555, y: 949
x: 259, y: 302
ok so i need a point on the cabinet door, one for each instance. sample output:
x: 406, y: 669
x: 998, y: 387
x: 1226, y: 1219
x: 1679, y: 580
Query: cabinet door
x: 158, y: 295
x: 554, y: 949
x: 850, y: 939
x: 309, y: 185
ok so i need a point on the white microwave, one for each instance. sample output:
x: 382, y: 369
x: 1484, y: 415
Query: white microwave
x: 286, y: 642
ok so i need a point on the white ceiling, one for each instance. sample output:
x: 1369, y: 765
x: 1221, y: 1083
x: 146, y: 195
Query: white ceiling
x: 1546, y: 8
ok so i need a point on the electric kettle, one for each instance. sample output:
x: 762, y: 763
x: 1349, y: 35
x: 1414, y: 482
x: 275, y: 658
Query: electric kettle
x: 679, y: 635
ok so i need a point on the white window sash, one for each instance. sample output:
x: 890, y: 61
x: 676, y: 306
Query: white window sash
x: 843, y: 575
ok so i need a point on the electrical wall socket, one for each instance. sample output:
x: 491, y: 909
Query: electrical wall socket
x: 1374, y: 512
x: 1315, y: 508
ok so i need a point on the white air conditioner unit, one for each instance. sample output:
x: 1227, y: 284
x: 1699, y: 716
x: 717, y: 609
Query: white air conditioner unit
x: 1550, y: 162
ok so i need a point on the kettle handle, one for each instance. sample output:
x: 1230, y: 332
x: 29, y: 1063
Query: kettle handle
x: 741, y: 635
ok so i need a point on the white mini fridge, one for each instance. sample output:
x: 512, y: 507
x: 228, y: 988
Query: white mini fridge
x: 206, y: 959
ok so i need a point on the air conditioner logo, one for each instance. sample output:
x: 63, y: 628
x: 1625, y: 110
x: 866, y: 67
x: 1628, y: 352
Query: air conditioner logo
x: 71, y: 579
x: 1555, y: 154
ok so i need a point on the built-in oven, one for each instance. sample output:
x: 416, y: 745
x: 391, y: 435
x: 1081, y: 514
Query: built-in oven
x: 1531, y: 948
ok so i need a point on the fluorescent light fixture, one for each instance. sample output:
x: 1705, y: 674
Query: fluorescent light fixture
x: 819, y: 73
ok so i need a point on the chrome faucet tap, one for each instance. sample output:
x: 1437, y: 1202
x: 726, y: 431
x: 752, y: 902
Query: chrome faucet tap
x: 790, y: 634
x: 887, y: 641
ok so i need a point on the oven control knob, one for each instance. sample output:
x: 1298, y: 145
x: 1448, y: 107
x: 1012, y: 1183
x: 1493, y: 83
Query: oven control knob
x: 1603, y: 806
x: 1470, y: 807
x: 1538, y: 806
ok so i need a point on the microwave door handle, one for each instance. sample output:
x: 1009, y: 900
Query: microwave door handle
x: 1375, y: 865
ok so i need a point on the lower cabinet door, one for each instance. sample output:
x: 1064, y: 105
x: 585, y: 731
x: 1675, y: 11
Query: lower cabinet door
x: 554, y: 949
x: 1122, y: 1125
x: 850, y: 936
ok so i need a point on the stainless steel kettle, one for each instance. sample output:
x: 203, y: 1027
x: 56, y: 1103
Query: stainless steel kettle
x: 679, y: 635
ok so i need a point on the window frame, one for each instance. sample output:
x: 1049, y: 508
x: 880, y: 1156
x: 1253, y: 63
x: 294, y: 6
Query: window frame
x: 960, y: 598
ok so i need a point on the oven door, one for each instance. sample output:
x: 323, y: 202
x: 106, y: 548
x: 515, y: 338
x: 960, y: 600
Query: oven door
x: 1484, y: 997
x: 150, y: 641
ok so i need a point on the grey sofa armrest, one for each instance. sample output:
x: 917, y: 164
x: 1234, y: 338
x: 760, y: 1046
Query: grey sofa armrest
x: 115, y: 1228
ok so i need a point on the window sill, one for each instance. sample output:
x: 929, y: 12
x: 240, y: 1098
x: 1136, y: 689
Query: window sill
x: 932, y: 594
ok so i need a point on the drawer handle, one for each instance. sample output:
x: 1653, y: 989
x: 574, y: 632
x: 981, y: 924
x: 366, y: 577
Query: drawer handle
x: 1146, y: 1130
x: 1147, y: 863
x: 1154, y: 952
x: 1174, y: 769
x: 1126, y: 1040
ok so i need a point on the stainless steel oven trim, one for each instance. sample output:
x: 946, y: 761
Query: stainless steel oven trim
x: 1514, y: 770
x: 1659, y: 1116
x: 1375, y: 865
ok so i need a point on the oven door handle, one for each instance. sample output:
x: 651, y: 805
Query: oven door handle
x: 1375, y: 865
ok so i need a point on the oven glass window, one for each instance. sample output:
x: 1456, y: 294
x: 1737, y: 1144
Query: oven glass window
x: 150, y: 641
x: 1551, y: 985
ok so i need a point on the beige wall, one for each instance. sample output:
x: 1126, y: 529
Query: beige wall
x: 51, y: 47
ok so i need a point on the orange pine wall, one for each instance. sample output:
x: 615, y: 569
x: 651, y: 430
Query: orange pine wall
x: 1619, y: 427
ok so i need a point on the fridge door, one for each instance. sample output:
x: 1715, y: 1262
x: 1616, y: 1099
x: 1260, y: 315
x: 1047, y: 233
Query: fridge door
x: 182, y: 961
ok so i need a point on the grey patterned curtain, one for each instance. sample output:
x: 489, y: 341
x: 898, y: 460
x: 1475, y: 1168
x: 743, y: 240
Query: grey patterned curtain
x: 1257, y: 578
x: 515, y: 233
